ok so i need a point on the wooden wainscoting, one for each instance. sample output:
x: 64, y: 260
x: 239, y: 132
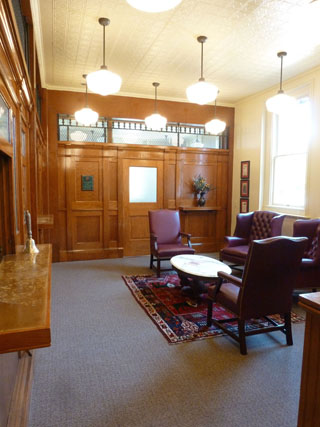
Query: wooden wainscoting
x: 102, y: 223
x: 88, y: 216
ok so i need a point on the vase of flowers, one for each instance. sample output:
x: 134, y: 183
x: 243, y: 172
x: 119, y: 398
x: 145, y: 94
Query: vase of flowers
x: 201, y: 188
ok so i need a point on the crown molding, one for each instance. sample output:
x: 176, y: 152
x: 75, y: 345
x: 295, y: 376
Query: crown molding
x: 134, y: 95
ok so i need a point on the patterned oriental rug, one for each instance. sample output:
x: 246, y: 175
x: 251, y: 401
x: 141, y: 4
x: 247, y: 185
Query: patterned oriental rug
x: 179, y: 317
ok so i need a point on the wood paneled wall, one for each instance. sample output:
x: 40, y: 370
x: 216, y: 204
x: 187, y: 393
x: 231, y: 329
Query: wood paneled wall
x: 102, y: 223
x: 23, y: 166
x: 26, y: 149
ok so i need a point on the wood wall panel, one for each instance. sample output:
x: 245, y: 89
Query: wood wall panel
x: 178, y: 167
x: 169, y: 182
x: 113, y: 169
x: 202, y: 227
x: 24, y: 166
x: 123, y: 227
x: 87, y: 230
x: 139, y: 227
x: 62, y: 180
x: 113, y: 237
x: 62, y: 221
x: 26, y: 145
x: 92, y: 168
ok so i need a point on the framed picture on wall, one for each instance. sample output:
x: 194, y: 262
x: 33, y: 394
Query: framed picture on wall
x: 244, y: 205
x: 245, y: 169
x: 244, y: 188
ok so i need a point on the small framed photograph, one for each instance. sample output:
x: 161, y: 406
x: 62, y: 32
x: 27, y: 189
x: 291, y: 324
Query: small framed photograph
x: 245, y: 169
x: 244, y: 188
x: 244, y: 205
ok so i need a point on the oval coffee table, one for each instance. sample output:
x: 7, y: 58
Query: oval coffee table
x: 198, y: 271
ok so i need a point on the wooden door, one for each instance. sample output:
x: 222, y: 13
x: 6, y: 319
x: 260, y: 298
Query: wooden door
x: 134, y: 215
x: 6, y: 213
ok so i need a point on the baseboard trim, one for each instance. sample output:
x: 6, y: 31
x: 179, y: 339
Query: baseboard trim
x: 20, y: 401
x: 89, y: 254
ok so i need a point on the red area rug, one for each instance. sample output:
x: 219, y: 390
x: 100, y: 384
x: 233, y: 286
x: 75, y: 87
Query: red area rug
x: 179, y: 318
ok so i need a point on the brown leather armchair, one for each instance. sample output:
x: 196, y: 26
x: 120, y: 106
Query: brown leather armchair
x: 250, y: 226
x: 165, y: 237
x: 309, y: 273
x: 266, y: 288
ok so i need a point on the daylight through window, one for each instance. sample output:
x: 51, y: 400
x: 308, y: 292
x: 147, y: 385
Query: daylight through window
x: 291, y: 137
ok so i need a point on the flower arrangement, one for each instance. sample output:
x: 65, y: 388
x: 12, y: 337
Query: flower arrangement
x: 200, y: 185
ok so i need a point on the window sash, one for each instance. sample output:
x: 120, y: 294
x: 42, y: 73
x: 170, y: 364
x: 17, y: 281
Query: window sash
x: 289, y: 157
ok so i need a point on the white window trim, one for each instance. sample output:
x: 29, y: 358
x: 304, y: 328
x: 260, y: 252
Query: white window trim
x: 305, y: 90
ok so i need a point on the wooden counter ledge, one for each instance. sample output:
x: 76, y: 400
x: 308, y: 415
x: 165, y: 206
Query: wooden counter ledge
x: 199, y: 208
x: 45, y: 221
x: 309, y: 408
x: 25, y: 285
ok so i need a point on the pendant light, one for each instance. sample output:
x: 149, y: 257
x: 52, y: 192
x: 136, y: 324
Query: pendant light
x: 215, y: 126
x: 86, y: 116
x: 103, y: 81
x: 78, y: 136
x: 281, y: 102
x: 155, y: 121
x: 154, y: 5
x: 202, y: 92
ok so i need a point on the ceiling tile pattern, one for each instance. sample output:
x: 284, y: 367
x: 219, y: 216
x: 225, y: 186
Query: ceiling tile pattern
x: 244, y: 37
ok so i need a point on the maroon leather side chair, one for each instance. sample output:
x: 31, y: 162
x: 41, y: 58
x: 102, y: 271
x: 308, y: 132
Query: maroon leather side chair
x: 266, y: 288
x: 309, y: 273
x: 165, y: 237
x: 250, y: 226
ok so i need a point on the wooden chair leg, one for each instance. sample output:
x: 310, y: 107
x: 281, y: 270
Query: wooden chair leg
x: 209, y: 313
x: 151, y: 261
x: 242, y: 337
x: 287, y: 323
x: 158, y: 267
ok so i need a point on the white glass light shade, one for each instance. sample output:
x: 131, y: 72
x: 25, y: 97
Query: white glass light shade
x: 280, y: 103
x: 78, y: 136
x: 155, y: 122
x: 104, y: 82
x: 202, y: 92
x: 154, y: 5
x: 86, y: 116
x: 215, y: 126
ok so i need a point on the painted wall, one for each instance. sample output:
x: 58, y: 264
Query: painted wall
x: 252, y: 139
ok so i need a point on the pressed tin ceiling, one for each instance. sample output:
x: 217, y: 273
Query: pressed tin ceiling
x: 240, y: 55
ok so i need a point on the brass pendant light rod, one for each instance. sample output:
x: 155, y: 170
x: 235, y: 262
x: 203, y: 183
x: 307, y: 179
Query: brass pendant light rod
x: 104, y: 22
x: 215, y: 105
x: 281, y: 55
x: 155, y: 85
x: 201, y: 39
x: 85, y: 84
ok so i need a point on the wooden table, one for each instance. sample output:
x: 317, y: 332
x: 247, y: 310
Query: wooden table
x: 309, y: 407
x: 25, y: 285
x: 197, y: 271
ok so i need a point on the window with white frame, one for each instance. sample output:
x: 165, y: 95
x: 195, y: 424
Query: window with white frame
x: 290, y: 141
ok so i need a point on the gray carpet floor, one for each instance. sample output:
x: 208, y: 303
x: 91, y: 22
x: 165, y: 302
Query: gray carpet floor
x: 110, y: 366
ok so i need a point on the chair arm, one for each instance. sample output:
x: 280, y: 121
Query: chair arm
x: 215, y: 289
x: 229, y: 278
x: 188, y: 236
x: 153, y: 241
x: 307, y: 263
x: 233, y: 241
